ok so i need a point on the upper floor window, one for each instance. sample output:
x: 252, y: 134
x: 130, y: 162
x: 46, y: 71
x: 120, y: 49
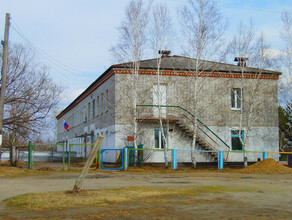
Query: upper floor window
x: 236, y: 98
x: 98, y: 105
x: 106, y: 94
x: 89, y: 116
x: 102, y: 103
x: 85, y: 114
x: 93, y: 108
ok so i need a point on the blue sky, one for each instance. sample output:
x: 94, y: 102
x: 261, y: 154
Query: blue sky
x: 79, y: 33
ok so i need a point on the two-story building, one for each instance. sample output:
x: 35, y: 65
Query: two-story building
x: 236, y: 107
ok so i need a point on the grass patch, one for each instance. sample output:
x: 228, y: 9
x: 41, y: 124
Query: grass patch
x: 109, y: 197
x: 221, y: 189
x: 18, y: 172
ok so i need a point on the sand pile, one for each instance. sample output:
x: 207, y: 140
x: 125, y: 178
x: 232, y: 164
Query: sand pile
x: 267, y: 166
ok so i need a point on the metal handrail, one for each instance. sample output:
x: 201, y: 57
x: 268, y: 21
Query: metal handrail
x: 176, y: 106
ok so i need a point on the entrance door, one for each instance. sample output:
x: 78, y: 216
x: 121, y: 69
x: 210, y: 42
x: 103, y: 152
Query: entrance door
x: 159, y: 92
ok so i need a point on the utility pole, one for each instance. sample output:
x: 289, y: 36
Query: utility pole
x: 4, y: 75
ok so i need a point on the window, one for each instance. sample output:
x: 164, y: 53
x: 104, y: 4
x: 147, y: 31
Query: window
x: 158, y: 139
x: 101, y: 102
x: 235, y: 140
x: 106, y: 108
x: 85, y: 114
x: 93, y: 108
x: 98, y: 106
x: 89, y: 111
x: 236, y: 99
x: 81, y: 116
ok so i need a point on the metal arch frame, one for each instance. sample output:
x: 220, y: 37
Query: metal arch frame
x: 101, y: 159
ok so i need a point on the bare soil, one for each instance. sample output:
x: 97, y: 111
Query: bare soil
x: 227, y: 194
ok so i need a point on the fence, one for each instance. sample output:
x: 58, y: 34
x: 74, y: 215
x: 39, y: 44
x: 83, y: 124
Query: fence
x: 129, y: 156
x: 40, y: 153
x: 174, y: 155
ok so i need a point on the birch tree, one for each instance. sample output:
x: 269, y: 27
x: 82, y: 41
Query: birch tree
x: 160, y: 32
x: 247, y: 44
x: 202, y: 30
x: 286, y: 58
x: 131, y: 47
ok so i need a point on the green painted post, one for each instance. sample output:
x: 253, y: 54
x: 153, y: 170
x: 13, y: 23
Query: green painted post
x: 63, y: 156
x: 32, y: 155
x: 29, y: 155
x: 69, y: 157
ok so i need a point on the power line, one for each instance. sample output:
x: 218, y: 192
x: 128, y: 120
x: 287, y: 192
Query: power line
x: 46, y: 56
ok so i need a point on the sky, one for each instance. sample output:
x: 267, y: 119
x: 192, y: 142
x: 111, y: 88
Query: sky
x: 73, y: 37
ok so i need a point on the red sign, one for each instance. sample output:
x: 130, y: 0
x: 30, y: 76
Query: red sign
x: 130, y: 138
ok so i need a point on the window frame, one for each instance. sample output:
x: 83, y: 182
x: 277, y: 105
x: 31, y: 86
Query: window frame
x: 236, y: 98
x: 93, y: 108
x: 235, y: 134
x: 159, y: 142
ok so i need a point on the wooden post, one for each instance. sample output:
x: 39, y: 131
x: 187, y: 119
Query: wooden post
x: 89, y: 161
x: 4, y: 74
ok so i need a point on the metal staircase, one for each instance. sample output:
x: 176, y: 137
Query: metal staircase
x: 206, y: 139
x: 200, y: 142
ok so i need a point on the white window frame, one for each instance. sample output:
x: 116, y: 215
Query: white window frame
x: 160, y: 138
x: 236, y: 98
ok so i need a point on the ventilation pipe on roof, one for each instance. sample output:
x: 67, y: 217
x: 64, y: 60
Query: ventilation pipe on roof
x: 164, y: 53
x: 241, y: 61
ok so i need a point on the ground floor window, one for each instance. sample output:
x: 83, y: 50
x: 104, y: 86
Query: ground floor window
x: 158, y: 139
x: 235, y: 140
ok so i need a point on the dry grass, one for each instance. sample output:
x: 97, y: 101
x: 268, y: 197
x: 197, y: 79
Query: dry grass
x: 110, y: 197
x: 7, y: 171
x: 15, y: 171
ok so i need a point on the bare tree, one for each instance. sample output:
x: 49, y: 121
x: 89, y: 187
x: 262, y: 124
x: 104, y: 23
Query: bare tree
x: 30, y: 96
x: 202, y: 29
x: 247, y: 44
x: 286, y: 57
x: 131, y: 48
x: 161, y: 36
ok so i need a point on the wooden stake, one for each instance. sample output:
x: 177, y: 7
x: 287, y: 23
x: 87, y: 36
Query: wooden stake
x: 89, y: 161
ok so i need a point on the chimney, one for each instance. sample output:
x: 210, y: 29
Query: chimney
x: 241, y: 61
x: 164, y: 53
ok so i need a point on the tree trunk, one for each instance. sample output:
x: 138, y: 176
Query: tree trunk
x: 193, y: 158
x: 13, y: 160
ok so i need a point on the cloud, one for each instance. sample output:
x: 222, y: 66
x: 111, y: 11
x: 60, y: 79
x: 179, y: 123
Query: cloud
x: 272, y: 53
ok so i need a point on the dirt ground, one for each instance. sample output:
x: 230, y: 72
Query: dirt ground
x: 223, y: 195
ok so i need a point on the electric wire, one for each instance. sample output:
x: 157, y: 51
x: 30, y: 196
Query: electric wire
x: 46, y: 56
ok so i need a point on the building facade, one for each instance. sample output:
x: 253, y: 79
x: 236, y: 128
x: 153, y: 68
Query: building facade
x: 231, y: 107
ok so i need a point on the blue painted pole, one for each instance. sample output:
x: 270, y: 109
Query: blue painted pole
x: 126, y: 158
x: 174, y: 160
x: 265, y: 155
x: 220, y: 160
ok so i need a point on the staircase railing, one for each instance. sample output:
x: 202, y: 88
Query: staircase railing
x: 169, y: 113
